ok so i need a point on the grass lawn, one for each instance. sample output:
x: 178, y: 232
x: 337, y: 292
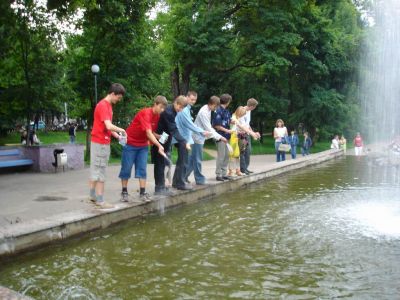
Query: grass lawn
x: 53, y: 137
x: 268, y: 146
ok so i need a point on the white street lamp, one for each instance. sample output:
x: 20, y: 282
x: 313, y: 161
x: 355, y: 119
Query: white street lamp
x: 95, y: 69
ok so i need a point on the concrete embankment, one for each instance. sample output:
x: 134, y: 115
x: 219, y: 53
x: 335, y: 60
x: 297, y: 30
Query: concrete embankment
x: 38, y: 209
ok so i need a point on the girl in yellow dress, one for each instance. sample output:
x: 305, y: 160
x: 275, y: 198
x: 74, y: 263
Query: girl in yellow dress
x: 234, y: 154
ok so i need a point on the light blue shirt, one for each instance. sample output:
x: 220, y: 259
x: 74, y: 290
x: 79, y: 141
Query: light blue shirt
x: 185, y: 125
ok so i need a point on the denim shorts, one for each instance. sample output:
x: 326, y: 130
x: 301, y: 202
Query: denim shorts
x: 137, y: 156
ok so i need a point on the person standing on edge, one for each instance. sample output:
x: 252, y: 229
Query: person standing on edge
x: 280, y: 135
x: 358, y: 144
x: 72, y: 133
x: 135, y: 152
x: 167, y: 125
x: 293, y: 141
x: 245, y: 120
x: 343, y: 143
x: 221, y: 123
x: 186, y: 127
x: 100, y: 143
x: 203, y: 120
x: 335, y: 142
x: 237, y: 131
x: 307, y: 143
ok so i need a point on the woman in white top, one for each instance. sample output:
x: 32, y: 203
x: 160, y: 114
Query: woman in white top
x: 280, y: 134
x: 335, y: 142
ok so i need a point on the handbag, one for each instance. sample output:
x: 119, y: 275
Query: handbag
x: 284, y: 147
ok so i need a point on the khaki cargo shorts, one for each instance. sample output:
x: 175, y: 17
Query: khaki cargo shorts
x: 99, y: 155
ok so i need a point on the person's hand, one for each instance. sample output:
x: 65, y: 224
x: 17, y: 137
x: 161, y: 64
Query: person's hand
x: 255, y: 135
x: 123, y: 132
x: 206, y: 133
x: 222, y: 139
x: 231, y: 131
x: 188, y: 147
x: 161, y: 150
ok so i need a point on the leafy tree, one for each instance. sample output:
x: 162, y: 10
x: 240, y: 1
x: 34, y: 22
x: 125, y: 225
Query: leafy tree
x: 29, y: 67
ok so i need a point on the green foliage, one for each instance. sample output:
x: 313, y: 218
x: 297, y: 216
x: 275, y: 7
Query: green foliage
x: 298, y: 58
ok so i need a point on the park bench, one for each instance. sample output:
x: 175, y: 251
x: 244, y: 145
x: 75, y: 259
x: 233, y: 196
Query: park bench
x: 12, y: 158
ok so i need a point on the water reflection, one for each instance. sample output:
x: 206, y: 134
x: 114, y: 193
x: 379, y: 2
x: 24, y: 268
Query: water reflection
x: 325, y: 232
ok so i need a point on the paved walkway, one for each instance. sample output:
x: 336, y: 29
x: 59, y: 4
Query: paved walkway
x: 28, y: 196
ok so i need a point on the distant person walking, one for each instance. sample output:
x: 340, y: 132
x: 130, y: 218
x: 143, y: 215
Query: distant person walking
x: 102, y: 130
x: 280, y: 135
x: 358, y: 144
x: 72, y: 133
x: 293, y: 141
x: 305, y: 149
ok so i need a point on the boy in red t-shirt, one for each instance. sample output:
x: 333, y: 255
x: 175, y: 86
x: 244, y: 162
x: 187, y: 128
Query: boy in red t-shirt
x: 140, y: 132
x: 100, y: 145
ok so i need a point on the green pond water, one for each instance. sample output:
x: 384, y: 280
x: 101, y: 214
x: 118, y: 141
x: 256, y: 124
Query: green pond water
x: 325, y: 232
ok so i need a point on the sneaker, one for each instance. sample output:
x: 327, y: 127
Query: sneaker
x: 201, y: 183
x: 219, y: 178
x: 227, y: 178
x: 104, y: 205
x: 124, y: 197
x: 92, y: 200
x: 184, y: 188
x: 164, y: 192
x: 145, y: 197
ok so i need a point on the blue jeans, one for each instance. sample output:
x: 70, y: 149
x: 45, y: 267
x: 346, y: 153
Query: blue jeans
x: 137, y: 156
x: 72, y: 139
x: 305, y: 151
x: 280, y: 155
x: 293, y: 151
x: 195, y: 160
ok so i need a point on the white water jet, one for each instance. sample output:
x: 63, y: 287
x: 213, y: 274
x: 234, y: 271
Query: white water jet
x: 380, y: 74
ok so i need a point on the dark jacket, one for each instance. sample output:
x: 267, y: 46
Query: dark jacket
x: 307, y: 143
x: 167, y: 124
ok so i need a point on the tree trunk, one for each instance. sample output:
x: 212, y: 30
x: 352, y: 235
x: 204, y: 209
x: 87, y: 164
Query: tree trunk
x: 187, y: 70
x: 175, y: 82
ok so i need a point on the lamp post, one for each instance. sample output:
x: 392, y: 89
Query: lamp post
x: 95, y: 70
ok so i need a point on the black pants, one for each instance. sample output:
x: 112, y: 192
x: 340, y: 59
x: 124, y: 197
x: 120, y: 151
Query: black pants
x: 181, y: 166
x: 159, y: 168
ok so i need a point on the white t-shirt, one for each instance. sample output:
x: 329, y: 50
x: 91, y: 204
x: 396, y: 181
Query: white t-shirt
x: 280, y: 132
x: 246, y: 118
x: 335, y: 144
